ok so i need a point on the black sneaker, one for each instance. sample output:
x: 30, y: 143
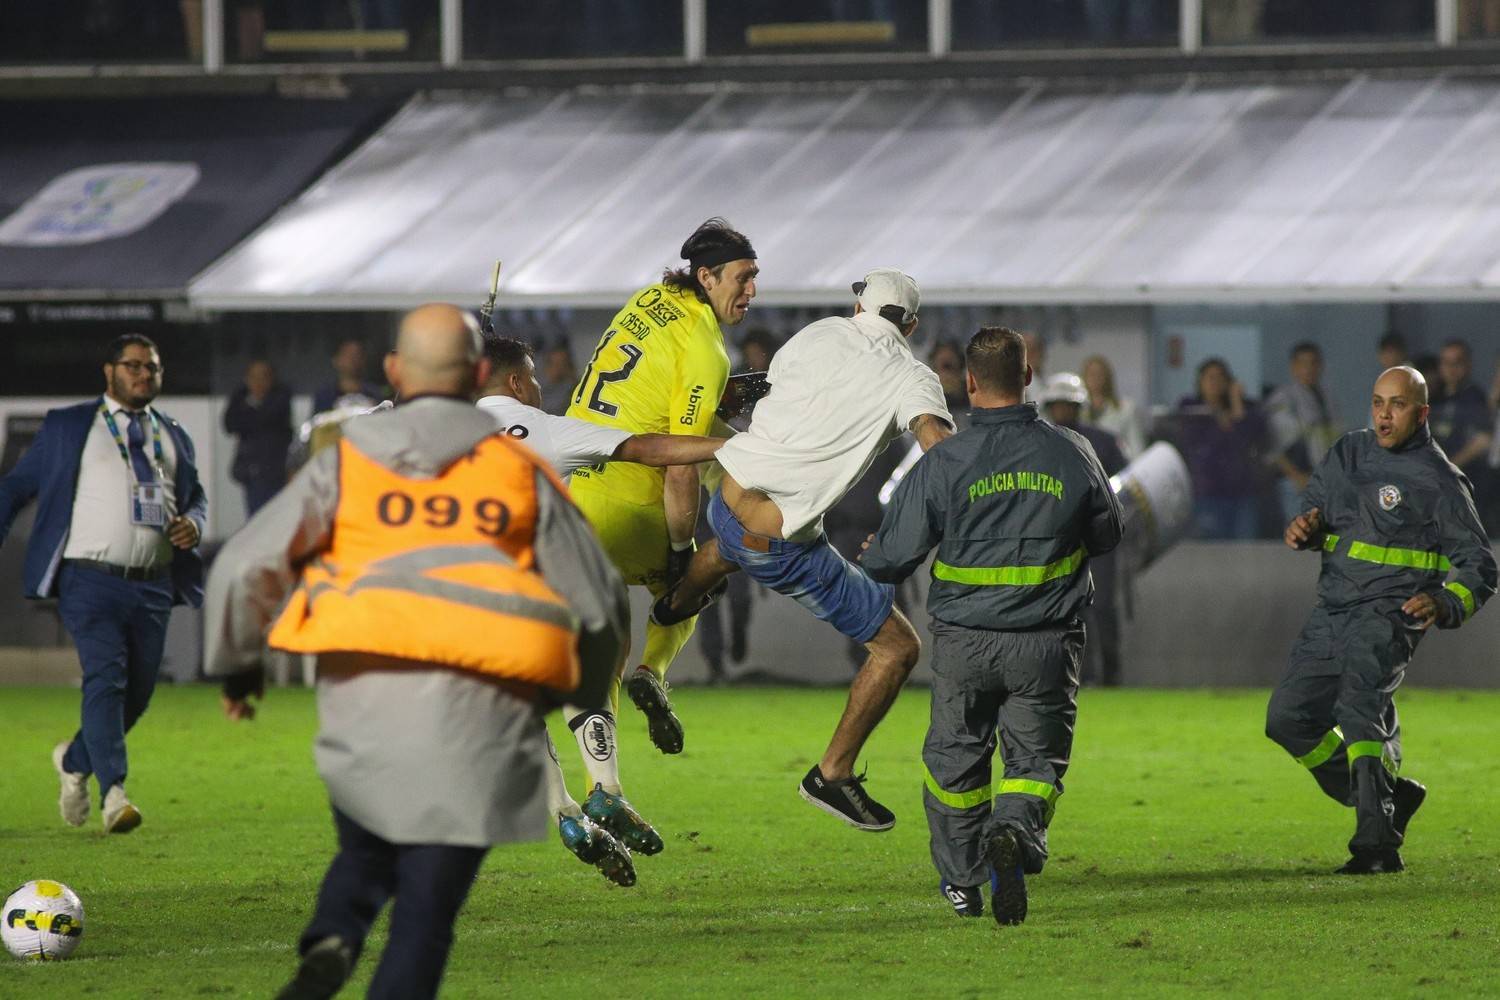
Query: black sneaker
x: 1007, y: 879
x: 650, y: 696
x: 1408, y: 799
x: 663, y: 615
x: 846, y: 799
x: 967, y: 900
x: 1372, y: 863
x: 324, y: 969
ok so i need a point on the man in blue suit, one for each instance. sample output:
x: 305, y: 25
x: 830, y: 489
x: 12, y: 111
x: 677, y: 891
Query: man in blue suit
x: 120, y: 512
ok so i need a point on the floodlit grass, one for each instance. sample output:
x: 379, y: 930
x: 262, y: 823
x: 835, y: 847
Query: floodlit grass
x: 1189, y: 856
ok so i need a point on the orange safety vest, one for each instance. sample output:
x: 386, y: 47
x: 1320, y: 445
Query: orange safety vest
x: 439, y: 571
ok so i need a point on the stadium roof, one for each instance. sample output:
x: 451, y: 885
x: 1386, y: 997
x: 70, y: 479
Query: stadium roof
x: 1362, y: 189
x: 132, y: 198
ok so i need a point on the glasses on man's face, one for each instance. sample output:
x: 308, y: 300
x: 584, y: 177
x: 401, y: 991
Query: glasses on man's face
x: 136, y: 367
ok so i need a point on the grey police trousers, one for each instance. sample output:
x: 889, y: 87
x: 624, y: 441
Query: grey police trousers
x: 1019, y: 687
x: 1333, y: 712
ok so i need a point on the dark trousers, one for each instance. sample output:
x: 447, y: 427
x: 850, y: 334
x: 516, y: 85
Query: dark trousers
x: 1333, y: 712
x: 736, y: 606
x: 259, y: 491
x: 1017, y: 688
x: 120, y: 628
x: 1103, y: 621
x: 430, y: 883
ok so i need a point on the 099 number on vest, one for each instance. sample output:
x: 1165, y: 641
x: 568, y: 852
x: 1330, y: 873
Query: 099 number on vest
x: 443, y: 511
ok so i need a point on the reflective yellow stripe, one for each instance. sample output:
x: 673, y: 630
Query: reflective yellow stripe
x: 1009, y: 576
x: 1464, y: 594
x: 1025, y: 786
x: 1319, y: 754
x: 958, y: 800
x: 1330, y: 542
x: 1371, y: 748
x: 1432, y: 562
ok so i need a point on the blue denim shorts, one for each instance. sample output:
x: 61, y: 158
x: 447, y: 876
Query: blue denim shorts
x: 811, y: 573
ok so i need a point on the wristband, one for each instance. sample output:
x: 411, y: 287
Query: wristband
x: 682, y: 546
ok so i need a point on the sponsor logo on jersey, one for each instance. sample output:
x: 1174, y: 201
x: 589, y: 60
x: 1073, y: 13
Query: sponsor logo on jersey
x: 695, y: 400
x: 1390, y: 498
x: 663, y: 313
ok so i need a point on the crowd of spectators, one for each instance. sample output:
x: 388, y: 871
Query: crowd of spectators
x: 1249, y: 453
x: 1250, y: 459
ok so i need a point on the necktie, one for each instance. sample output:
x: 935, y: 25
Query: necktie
x: 136, y: 437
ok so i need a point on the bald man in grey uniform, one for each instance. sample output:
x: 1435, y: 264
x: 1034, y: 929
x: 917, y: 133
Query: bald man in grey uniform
x: 426, y: 766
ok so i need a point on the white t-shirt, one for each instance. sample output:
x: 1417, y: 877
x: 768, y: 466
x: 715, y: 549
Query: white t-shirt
x: 564, y: 442
x: 842, y: 389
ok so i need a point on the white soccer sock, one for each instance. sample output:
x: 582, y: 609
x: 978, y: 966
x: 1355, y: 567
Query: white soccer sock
x: 595, y: 732
x: 559, y: 802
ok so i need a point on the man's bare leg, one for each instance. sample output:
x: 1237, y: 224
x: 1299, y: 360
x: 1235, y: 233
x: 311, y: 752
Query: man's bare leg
x: 705, y: 571
x: 893, y: 654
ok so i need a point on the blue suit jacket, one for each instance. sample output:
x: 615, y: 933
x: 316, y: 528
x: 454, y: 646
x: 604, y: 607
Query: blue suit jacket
x: 49, y: 471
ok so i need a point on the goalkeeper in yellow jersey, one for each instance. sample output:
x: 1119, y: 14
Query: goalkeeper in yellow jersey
x: 661, y: 368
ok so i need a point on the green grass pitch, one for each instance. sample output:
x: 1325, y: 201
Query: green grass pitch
x: 1189, y: 857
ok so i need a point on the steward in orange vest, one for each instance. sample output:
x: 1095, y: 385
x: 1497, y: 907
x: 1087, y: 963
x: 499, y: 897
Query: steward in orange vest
x: 435, y: 571
x: 451, y: 593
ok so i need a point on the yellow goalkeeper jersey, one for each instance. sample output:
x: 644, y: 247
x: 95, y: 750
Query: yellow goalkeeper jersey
x: 660, y: 368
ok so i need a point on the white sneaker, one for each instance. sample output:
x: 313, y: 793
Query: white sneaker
x: 73, y: 802
x: 119, y: 815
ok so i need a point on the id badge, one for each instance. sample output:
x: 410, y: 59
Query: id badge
x: 148, y: 505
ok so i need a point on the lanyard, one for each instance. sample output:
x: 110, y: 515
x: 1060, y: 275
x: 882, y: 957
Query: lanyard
x: 114, y: 430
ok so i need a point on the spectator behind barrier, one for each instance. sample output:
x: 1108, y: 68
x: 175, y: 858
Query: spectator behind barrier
x: 757, y: 349
x: 947, y: 359
x: 1064, y: 399
x: 1461, y: 421
x: 351, y: 367
x: 1460, y: 415
x: 1106, y: 410
x: 1221, y: 435
x: 260, y: 415
x: 1302, y: 426
x: 559, y: 377
x: 1391, y: 352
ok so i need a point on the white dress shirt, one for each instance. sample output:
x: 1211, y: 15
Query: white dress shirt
x: 565, y: 443
x: 101, y: 527
x: 842, y: 389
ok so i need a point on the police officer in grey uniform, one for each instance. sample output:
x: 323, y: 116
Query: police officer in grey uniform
x: 1392, y: 518
x: 1015, y: 506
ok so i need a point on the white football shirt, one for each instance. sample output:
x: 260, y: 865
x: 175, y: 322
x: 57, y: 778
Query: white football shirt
x: 563, y: 442
x: 842, y: 389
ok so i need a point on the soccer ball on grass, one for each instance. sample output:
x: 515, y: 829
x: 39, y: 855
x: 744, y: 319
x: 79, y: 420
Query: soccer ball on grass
x: 42, y: 921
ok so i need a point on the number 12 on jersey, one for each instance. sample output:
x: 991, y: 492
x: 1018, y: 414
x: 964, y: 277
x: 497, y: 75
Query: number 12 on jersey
x: 597, y: 402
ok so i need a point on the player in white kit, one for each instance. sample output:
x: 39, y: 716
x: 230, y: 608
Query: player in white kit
x: 513, y: 397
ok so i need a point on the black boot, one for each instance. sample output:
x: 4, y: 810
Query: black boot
x: 1382, y: 862
x: 1407, y: 799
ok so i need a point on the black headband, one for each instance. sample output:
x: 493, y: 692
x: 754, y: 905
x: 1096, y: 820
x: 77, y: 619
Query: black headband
x: 720, y: 255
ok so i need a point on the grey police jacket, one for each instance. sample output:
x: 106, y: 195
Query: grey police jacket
x: 1398, y: 522
x: 1015, y: 506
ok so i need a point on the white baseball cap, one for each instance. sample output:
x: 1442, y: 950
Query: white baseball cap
x: 886, y: 286
x: 1064, y: 387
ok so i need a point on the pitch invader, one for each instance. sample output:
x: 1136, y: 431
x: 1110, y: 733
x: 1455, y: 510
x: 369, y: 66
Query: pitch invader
x: 661, y: 368
x: 1392, y: 518
x: 513, y: 396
